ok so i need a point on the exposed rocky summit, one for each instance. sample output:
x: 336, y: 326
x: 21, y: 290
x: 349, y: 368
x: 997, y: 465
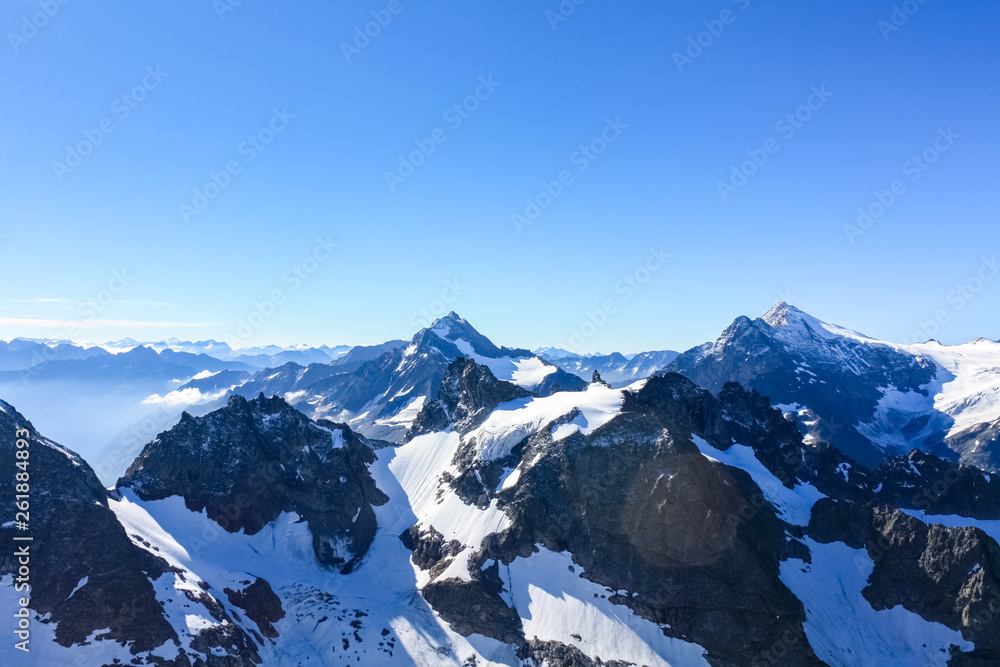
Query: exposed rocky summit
x: 467, y: 395
x: 247, y: 463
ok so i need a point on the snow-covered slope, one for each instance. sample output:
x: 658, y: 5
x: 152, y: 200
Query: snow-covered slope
x: 956, y: 408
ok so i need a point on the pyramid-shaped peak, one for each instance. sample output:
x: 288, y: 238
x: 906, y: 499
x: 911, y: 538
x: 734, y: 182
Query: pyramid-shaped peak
x: 783, y: 313
x: 449, y: 320
x: 452, y: 327
x: 791, y: 322
x: 456, y: 330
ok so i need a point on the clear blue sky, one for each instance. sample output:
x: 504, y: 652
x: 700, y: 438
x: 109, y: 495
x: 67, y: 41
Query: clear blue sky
x: 780, y: 235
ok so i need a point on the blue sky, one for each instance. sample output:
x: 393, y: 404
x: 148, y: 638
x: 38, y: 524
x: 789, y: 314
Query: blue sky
x: 308, y: 242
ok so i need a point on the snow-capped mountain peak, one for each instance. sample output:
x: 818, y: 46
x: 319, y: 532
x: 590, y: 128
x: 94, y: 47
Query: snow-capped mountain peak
x: 457, y: 331
x: 790, y: 322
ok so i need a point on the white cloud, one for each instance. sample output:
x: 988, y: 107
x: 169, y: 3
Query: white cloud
x: 189, y: 396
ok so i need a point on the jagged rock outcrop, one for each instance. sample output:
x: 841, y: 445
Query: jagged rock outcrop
x: 467, y: 395
x: 979, y: 443
x: 555, y: 654
x: 922, y: 481
x: 475, y: 606
x: 247, y: 463
x: 429, y: 547
x: 260, y: 605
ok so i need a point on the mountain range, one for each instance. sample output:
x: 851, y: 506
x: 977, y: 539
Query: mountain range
x: 793, y: 493
x: 871, y: 398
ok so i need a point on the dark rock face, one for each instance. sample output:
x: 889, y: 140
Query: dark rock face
x: 835, y: 520
x: 247, y: 463
x: 77, y: 537
x: 946, y: 575
x: 925, y: 482
x: 555, y: 654
x: 475, y: 607
x: 784, y: 357
x: 260, y: 604
x: 597, y: 379
x: 467, y: 395
x: 429, y: 548
x: 643, y: 511
x: 558, y: 380
x: 746, y: 417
